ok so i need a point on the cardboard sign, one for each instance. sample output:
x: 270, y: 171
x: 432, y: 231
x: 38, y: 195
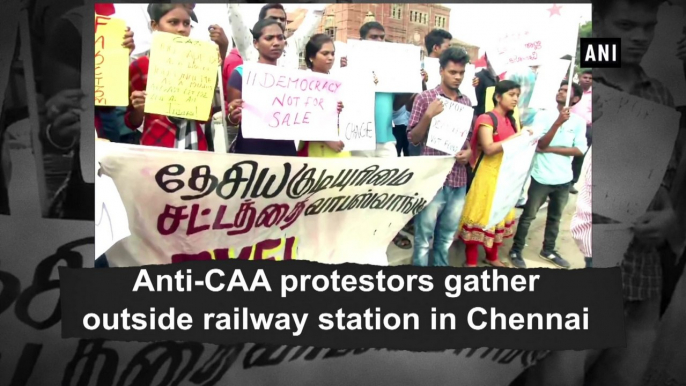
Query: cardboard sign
x: 182, y: 77
x: 449, y: 129
x: 287, y: 104
x: 357, y: 120
x: 396, y: 66
x: 111, y: 62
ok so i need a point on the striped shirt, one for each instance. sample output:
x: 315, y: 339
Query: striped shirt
x: 583, y: 218
x: 641, y: 266
x: 458, y: 174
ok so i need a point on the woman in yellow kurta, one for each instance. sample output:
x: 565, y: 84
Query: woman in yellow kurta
x: 487, y: 155
x: 319, y: 56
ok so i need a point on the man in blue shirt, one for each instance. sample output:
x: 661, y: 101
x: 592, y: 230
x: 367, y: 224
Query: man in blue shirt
x: 564, y: 137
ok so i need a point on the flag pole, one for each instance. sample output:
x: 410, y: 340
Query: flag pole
x: 571, y: 67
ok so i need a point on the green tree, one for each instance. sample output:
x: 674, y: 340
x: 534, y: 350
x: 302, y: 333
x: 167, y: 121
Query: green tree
x: 585, y: 31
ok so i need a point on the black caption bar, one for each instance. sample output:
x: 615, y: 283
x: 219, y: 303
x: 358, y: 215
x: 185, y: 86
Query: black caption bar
x: 346, y: 306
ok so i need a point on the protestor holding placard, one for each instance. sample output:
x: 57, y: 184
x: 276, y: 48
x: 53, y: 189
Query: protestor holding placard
x: 63, y: 111
x: 564, y: 137
x: 269, y: 40
x: 320, y: 54
x: 294, y: 45
x: 385, y: 104
x: 161, y: 130
x: 491, y: 131
x: 440, y: 219
x: 585, y: 110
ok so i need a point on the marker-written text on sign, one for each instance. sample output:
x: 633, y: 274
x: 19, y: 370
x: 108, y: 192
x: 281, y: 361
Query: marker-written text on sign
x: 182, y: 77
x: 289, y: 104
x: 449, y: 129
x: 111, y: 62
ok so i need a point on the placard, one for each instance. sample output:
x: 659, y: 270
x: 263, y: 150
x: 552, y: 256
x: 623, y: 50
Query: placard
x: 357, y: 120
x: 548, y: 79
x: 182, y: 77
x: 111, y: 62
x: 287, y: 104
x: 449, y: 129
x: 397, y: 66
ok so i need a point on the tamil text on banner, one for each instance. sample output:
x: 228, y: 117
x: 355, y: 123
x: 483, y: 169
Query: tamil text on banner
x: 283, y: 103
x: 518, y: 155
x: 185, y: 205
x: 449, y: 129
x: 396, y: 66
x: 548, y: 79
x: 357, y: 122
x: 111, y: 62
x: 182, y: 77
x: 34, y: 353
x: 640, y: 130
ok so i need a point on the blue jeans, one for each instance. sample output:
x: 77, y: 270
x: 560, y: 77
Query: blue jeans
x: 439, y: 219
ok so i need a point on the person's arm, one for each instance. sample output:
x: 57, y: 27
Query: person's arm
x: 419, y: 121
x: 240, y: 32
x: 133, y: 118
x: 307, y: 28
x: 579, y: 146
x: 544, y: 142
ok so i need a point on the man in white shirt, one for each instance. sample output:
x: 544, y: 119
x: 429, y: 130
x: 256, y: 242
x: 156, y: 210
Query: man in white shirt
x: 294, y: 44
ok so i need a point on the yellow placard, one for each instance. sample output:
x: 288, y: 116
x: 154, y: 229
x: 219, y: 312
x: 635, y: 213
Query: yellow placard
x: 489, y: 105
x: 111, y: 62
x: 182, y: 77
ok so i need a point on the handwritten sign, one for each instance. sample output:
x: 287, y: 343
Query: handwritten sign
x: 644, y: 131
x: 518, y: 155
x: 111, y: 62
x: 287, y: 104
x: 357, y: 121
x: 548, y: 79
x: 397, y: 67
x: 449, y: 129
x: 182, y: 77
x: 525, y: 47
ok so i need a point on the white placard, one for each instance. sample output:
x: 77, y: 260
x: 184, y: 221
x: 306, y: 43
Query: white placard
x: 518, y: 155
x: 449, y: 129
x: 466, y: 86
x: 433, y: 70
x: 642, y: 134
x: 286, y: 104
x: 356, y: 121
x: 548, y: 79
x: 397, y: 66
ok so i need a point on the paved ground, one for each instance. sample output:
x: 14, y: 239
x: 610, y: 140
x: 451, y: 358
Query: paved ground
x: 566, y: 246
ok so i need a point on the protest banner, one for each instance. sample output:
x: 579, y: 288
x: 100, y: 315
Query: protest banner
x: 357, y: 121
x: 639, y: 130
x: 282, y: 103
x: 181, y: 77
x: 396, y: 66
x: 524, y: 47
x: 548, y: 79
x: 194, y: 205
x: 449, y: 129
x: 518, y: 155
x: 111, y: 62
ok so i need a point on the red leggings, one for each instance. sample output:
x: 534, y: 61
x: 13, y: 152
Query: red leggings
x: 472, y: 252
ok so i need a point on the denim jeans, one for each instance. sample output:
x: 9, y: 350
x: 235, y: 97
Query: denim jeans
x: 439, y: 220
x: 538, y: 193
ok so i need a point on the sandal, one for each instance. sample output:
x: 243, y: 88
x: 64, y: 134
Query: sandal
x: 402, y: 242
x: 496, y: 266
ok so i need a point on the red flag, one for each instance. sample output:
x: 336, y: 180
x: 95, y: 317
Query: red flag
x: 104, y: 9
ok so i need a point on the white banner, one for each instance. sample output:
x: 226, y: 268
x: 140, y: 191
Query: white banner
x: 518, y: 155
x: 396, y: 66
x: 432, y: 67
x: 548, y: 79
x: 186, y: 205
x: 357, y: 122
x: 282, y: 103
x: 449, y: 129
x: 466, y: 86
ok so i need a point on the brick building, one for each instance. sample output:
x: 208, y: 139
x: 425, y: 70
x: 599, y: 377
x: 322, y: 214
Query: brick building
x: 404, y: 23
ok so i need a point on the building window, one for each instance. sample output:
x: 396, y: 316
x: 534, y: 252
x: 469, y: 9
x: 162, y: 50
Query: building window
x: 425, y: 19
x: 331, y: 32
x: 396, y: 11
